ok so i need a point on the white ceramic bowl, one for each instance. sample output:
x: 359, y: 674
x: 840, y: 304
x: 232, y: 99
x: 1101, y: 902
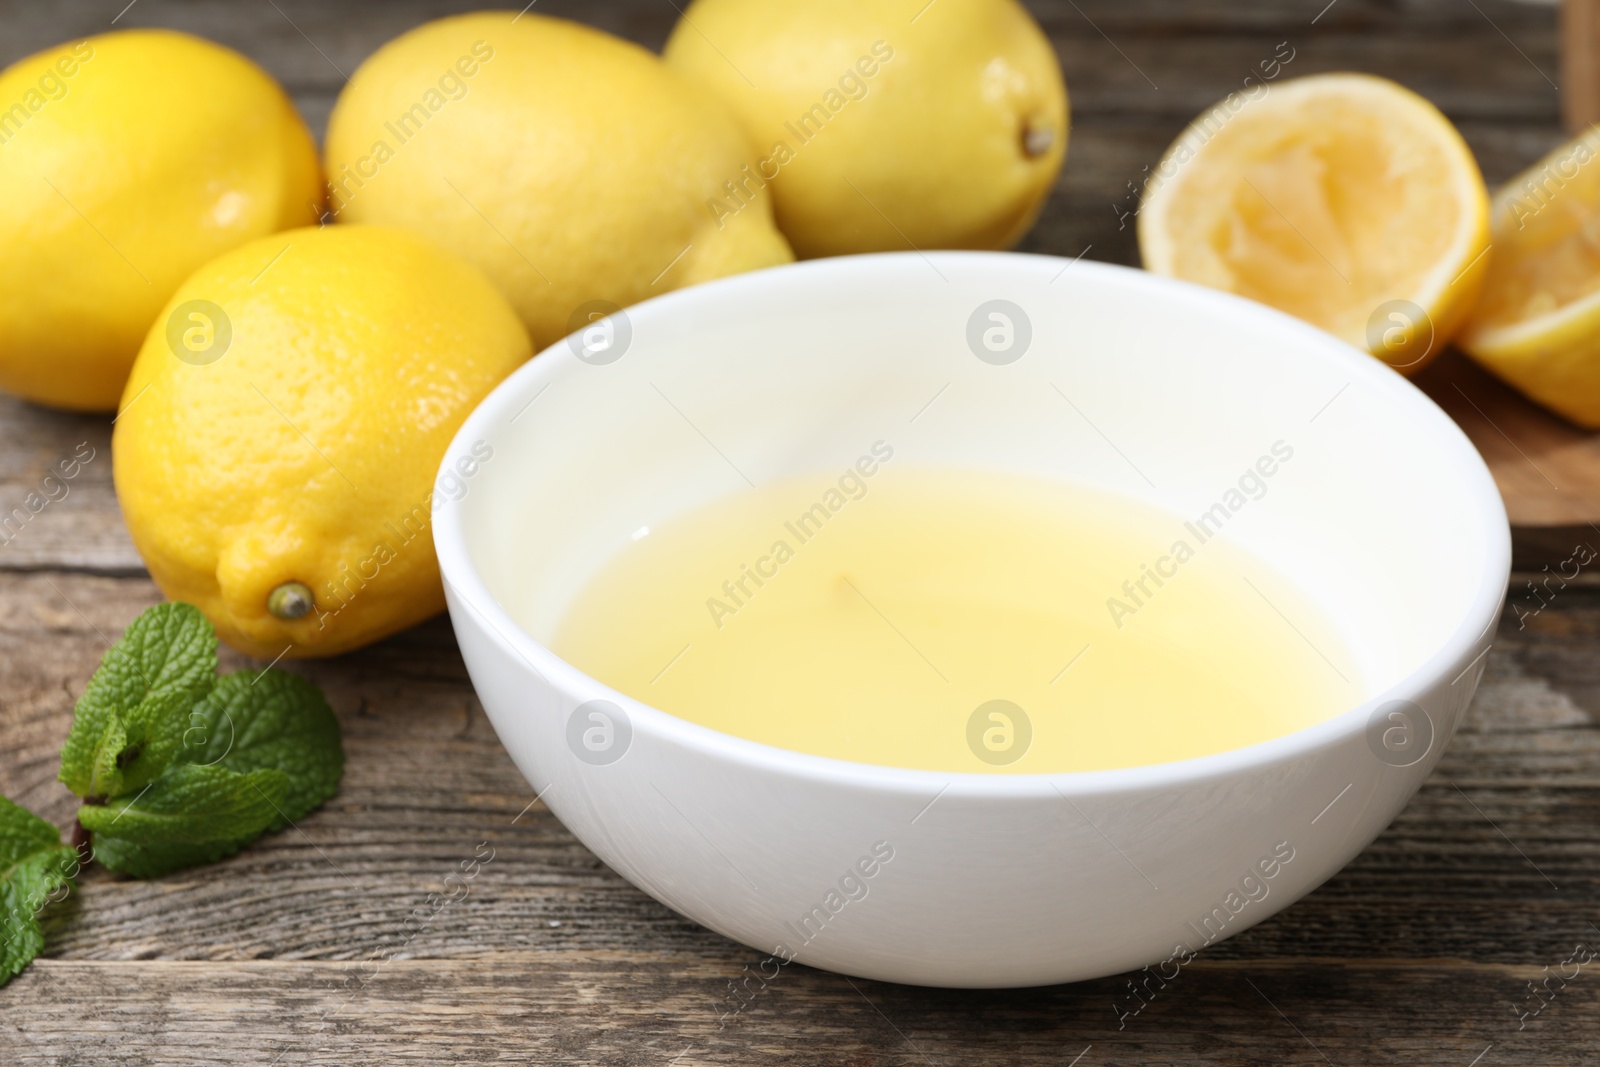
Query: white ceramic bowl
x: 1387, y: 518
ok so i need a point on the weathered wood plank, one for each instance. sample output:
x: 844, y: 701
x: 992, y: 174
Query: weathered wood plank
x: 1114, y: 54
x: 51, y: 519
x: 617, y: 1008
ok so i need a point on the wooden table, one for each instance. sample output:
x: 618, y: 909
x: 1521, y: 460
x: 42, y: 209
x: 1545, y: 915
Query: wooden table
x: 300, y: 949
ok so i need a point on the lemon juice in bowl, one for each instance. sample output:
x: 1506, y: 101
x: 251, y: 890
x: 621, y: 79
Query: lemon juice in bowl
x: 960, y: 620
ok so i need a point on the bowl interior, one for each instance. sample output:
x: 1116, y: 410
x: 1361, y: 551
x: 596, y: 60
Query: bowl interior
x: 1133, y: 384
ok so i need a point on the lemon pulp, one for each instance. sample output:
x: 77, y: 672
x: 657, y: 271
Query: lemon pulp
x: 958, y: 621
x: 1338, y: 198
x: 1547, y: 238
x: 1538, y: 324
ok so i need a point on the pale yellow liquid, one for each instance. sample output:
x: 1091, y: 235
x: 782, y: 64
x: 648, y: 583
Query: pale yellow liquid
x: 937, y: 591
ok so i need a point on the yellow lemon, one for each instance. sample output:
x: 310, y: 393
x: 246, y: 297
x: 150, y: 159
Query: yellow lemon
x: 885, y: 125
x: 1344, y: 199
x: 126, y: 161
x: 1538, y: 323
x: 572, y: 167
x: 277, y: 445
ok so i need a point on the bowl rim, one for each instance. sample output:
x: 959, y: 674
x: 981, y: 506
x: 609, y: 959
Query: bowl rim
x: 462, y: 578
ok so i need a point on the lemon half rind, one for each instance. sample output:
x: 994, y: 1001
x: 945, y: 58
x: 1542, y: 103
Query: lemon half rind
x: 1553, y: 358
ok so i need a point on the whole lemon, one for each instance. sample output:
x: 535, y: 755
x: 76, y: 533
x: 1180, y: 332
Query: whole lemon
x: 574, y: 168
x: 126, y: 161
x: 277, y: 445
x: 888, y: 124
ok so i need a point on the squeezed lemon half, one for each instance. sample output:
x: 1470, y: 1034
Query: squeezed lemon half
x: 1538, y: 323
x: 1344, y: 199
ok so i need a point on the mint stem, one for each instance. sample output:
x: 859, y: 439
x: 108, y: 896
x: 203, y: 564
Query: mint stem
x: 83, y: 842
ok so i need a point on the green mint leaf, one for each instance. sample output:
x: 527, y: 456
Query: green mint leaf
x: 154, y: 860
x: 34, y: 867
x: 134, y: 747
x: 254, y: 720
x: 191, y: 815
x: 181, y: 769
x: 190, y: 805
x: 155, y: 733
x: 170, y: 647
x: 105, y: 774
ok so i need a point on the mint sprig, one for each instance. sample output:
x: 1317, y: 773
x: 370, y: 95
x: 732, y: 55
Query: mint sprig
x: 176, y: 768
x: 34, y: 867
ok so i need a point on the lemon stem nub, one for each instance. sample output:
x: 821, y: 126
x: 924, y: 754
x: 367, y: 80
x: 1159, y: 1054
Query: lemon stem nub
x: 290, y: 601
x: 1037, y: 139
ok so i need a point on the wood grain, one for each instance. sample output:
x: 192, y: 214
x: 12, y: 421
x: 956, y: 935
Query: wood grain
x: 618, y: 1009
x: 1580, y: 64
x: 1548, y: 470
x: 47, y: 520
x: 307, y: 948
